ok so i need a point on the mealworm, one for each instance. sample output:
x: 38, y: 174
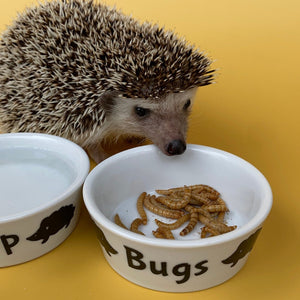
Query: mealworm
x: 192, y: 223
x: 214, y: 208
x: 135, y: 225
x: 201, y: 187
x: 198, y: 190
x: 197, y: 209
x: 195, y: 187
x: 164, y: 192
x: 210, y: 189
x: 221, y: 216
x: 175, y: 204
x: 169, y: 191
x: 222, y: 228
x: 214, y: 214
x: 200, y: 199
x: 210, y: 196
x: 168, y: 212
x: 167, y: 233
x: 221, y: 201
x: 140, y: 207
x: 212, y: 231
x: 158, y: 235
x: 194, y: 202
x: 203, y: 232
x: 152, y: 205
x: 174, y: 225
x: 172, y: 203
x: 187, y: 192
x: 119, y: 222
x: 179, y: 189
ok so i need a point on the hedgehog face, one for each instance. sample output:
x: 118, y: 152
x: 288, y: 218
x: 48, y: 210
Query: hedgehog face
x: 163, y: 121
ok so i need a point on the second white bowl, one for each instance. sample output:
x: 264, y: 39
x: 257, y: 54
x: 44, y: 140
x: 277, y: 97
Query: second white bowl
x: 189, y: 264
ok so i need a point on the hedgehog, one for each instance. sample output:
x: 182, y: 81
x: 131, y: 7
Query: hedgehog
x: 89, y: 73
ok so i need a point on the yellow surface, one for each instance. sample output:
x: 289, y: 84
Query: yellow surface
x: 252, y: 111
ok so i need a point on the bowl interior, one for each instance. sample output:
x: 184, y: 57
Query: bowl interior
x: 36, y: 170
x: 115, y: 184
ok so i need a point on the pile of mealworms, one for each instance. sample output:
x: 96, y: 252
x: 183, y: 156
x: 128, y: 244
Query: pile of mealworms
x: 191, y: 204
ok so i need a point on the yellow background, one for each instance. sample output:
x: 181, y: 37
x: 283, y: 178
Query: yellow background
x: 252, y: 111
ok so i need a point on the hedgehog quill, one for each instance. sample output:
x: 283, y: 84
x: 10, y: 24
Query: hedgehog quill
x: 84, y: 71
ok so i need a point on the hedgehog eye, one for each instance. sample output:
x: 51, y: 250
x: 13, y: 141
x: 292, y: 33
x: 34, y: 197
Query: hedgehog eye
x: 187, y: 104
x: 141, y: 112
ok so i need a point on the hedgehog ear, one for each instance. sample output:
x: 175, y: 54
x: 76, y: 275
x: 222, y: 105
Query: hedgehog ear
x: 108, y: 99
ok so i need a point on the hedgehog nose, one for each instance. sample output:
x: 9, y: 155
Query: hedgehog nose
x: 176, y: 147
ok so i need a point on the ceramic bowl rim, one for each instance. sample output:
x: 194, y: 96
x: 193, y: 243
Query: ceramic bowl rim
x: 102, y: 221
x: 80, y: 175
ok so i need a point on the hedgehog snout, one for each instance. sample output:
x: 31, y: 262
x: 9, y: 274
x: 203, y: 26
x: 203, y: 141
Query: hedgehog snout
x: 175, y: 147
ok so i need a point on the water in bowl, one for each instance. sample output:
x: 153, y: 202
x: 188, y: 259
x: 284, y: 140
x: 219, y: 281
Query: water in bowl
x: 30, y: 178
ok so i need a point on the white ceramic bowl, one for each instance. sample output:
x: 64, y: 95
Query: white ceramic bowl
x: 41, y: 178
x: 192, y: 263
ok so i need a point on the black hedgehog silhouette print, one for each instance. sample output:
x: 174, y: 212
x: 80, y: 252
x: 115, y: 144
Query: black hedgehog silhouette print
x: 53, y: 223
x: 243, y: 248
x: 102, y: 239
